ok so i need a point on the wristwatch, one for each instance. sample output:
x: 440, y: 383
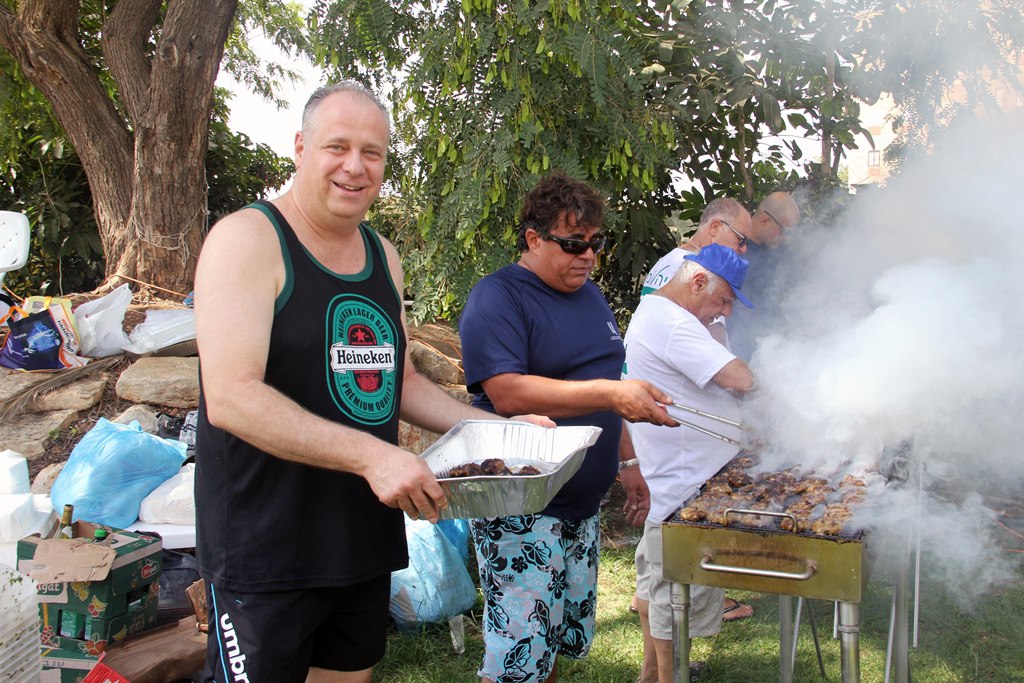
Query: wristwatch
x: 632, y: 462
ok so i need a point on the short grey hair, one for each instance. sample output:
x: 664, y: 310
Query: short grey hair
x: 690, y: 268
x: 349, y: 86
x: 723, y: 208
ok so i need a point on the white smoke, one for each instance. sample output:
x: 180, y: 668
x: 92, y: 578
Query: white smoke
x: 903, y: 323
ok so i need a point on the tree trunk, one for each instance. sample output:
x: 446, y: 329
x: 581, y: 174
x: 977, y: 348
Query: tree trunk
x: 146, y: 166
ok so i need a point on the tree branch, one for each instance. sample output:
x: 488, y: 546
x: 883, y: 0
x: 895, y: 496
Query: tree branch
x: 124, y: 39
x: 43, y: 39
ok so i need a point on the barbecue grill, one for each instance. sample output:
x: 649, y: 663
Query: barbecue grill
x: 769, y: 552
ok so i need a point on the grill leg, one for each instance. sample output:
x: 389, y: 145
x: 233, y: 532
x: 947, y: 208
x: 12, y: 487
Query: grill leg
x: 901, y: 624
x: 785, y: 639
x: 680, y: 599
x: 849, y: 641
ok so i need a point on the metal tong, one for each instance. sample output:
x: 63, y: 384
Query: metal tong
x: 709, y: 416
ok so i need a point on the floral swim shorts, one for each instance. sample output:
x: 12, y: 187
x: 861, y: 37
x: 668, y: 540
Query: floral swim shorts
x: 539, y: 578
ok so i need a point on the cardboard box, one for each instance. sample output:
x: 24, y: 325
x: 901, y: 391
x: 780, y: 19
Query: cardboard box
x: 95, y: 634
x: 94, y: 579
x: 76, y: 658
x: 73, y: 665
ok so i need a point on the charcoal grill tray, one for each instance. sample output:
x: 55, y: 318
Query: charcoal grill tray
x: 764, y: 560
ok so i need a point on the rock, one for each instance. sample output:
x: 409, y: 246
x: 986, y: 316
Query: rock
x: 441, y: 336
x: 44, y: 480
x: 172, y: 381
x: 414, y: 439
x: 30, y: 434
x: 13, y: 383
x: 146, y: 415
x: 80, y: 395
x: 438, y: 367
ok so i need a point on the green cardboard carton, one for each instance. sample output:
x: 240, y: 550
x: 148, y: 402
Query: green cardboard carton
x: 94, y: 579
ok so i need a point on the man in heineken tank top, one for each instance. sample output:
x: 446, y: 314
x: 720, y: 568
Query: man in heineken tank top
x: 300, y: 484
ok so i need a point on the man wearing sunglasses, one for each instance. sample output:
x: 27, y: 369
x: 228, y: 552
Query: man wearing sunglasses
x: 540, y: 333
x: 724, y: 221
x: 771, y: 226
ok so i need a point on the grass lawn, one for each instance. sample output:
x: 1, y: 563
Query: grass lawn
x: 983, y: 645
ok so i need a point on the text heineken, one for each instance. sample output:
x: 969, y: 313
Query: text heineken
x: 346, y: 358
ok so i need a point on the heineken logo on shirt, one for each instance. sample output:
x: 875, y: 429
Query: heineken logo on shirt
x: 361, y: 359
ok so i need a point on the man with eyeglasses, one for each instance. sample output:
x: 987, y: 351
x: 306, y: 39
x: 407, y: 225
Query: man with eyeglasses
x: 771, y: 225
x: 724, y: 221
x: 539, y: 333
x: 774, y: 217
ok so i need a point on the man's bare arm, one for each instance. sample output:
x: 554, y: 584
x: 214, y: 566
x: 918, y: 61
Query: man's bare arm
x: 241, y: 255
x: 735, y: 376
x: 634, y: 400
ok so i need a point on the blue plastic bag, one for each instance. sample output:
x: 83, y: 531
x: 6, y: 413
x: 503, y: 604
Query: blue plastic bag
x: 457, y: 532
x: 111, y: 469
x: 436, y: 585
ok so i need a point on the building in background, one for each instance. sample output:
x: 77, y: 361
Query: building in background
x: 866, y: 164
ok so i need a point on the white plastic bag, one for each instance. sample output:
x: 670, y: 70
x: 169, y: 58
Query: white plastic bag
x: 101, y: 323
x: 162, y: 328
x: 173, y: 502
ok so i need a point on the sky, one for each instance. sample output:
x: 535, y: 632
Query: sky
x: 263, y: 121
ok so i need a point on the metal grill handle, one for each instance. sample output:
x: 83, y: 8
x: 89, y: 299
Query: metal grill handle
x: 766, y: 513
x: 707, y: 564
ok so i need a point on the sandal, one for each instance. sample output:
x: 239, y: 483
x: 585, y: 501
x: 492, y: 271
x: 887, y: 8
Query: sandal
x: 736, y: 611
x: 697, y: 670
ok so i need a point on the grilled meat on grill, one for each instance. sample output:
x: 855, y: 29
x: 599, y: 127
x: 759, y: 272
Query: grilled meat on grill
x: 815, y: 505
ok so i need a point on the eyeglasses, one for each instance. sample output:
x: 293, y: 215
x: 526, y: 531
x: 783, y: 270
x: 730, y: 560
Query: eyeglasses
x: 743, y: 238
x: 768, y: 213
x: 575, y: 246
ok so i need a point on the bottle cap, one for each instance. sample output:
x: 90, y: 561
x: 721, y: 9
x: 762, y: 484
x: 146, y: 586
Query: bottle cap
x: 100, y: 534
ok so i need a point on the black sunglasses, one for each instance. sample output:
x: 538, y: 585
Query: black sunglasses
x: 743, y: 238
x: 575, y: 246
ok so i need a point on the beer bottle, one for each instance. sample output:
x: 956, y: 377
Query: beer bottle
x: 64, y: 529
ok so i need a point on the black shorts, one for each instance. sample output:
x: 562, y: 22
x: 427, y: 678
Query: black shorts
x: 276, y: 637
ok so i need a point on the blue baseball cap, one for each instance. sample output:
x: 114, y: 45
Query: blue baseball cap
x: 726, y: 264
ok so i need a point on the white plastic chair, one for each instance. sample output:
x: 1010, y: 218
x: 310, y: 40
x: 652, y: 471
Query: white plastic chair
x: 14, y: 241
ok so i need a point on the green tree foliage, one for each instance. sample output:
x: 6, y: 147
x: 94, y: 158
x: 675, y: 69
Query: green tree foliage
x: 43, y: 178
x: 490, y: 95
x: 739, y: 74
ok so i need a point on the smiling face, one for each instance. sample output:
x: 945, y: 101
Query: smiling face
x: 340, y: 158
x: 559, y: 270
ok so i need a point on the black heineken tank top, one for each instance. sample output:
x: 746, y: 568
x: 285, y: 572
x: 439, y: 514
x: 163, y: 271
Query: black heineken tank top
x: 337, y: 348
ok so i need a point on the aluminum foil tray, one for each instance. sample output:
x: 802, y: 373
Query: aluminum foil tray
x: 557, y: 452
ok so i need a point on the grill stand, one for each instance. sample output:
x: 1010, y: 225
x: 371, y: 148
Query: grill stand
x: 898, y: 658
x: 848, y: 629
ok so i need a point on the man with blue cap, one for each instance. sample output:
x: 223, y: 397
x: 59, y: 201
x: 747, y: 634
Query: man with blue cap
x: 668, y: 344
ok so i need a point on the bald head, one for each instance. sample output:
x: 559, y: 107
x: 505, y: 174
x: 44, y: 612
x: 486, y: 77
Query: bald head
x: 777, y: 213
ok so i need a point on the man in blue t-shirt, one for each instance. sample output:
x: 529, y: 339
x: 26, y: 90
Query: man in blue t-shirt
x: 539, y: 334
